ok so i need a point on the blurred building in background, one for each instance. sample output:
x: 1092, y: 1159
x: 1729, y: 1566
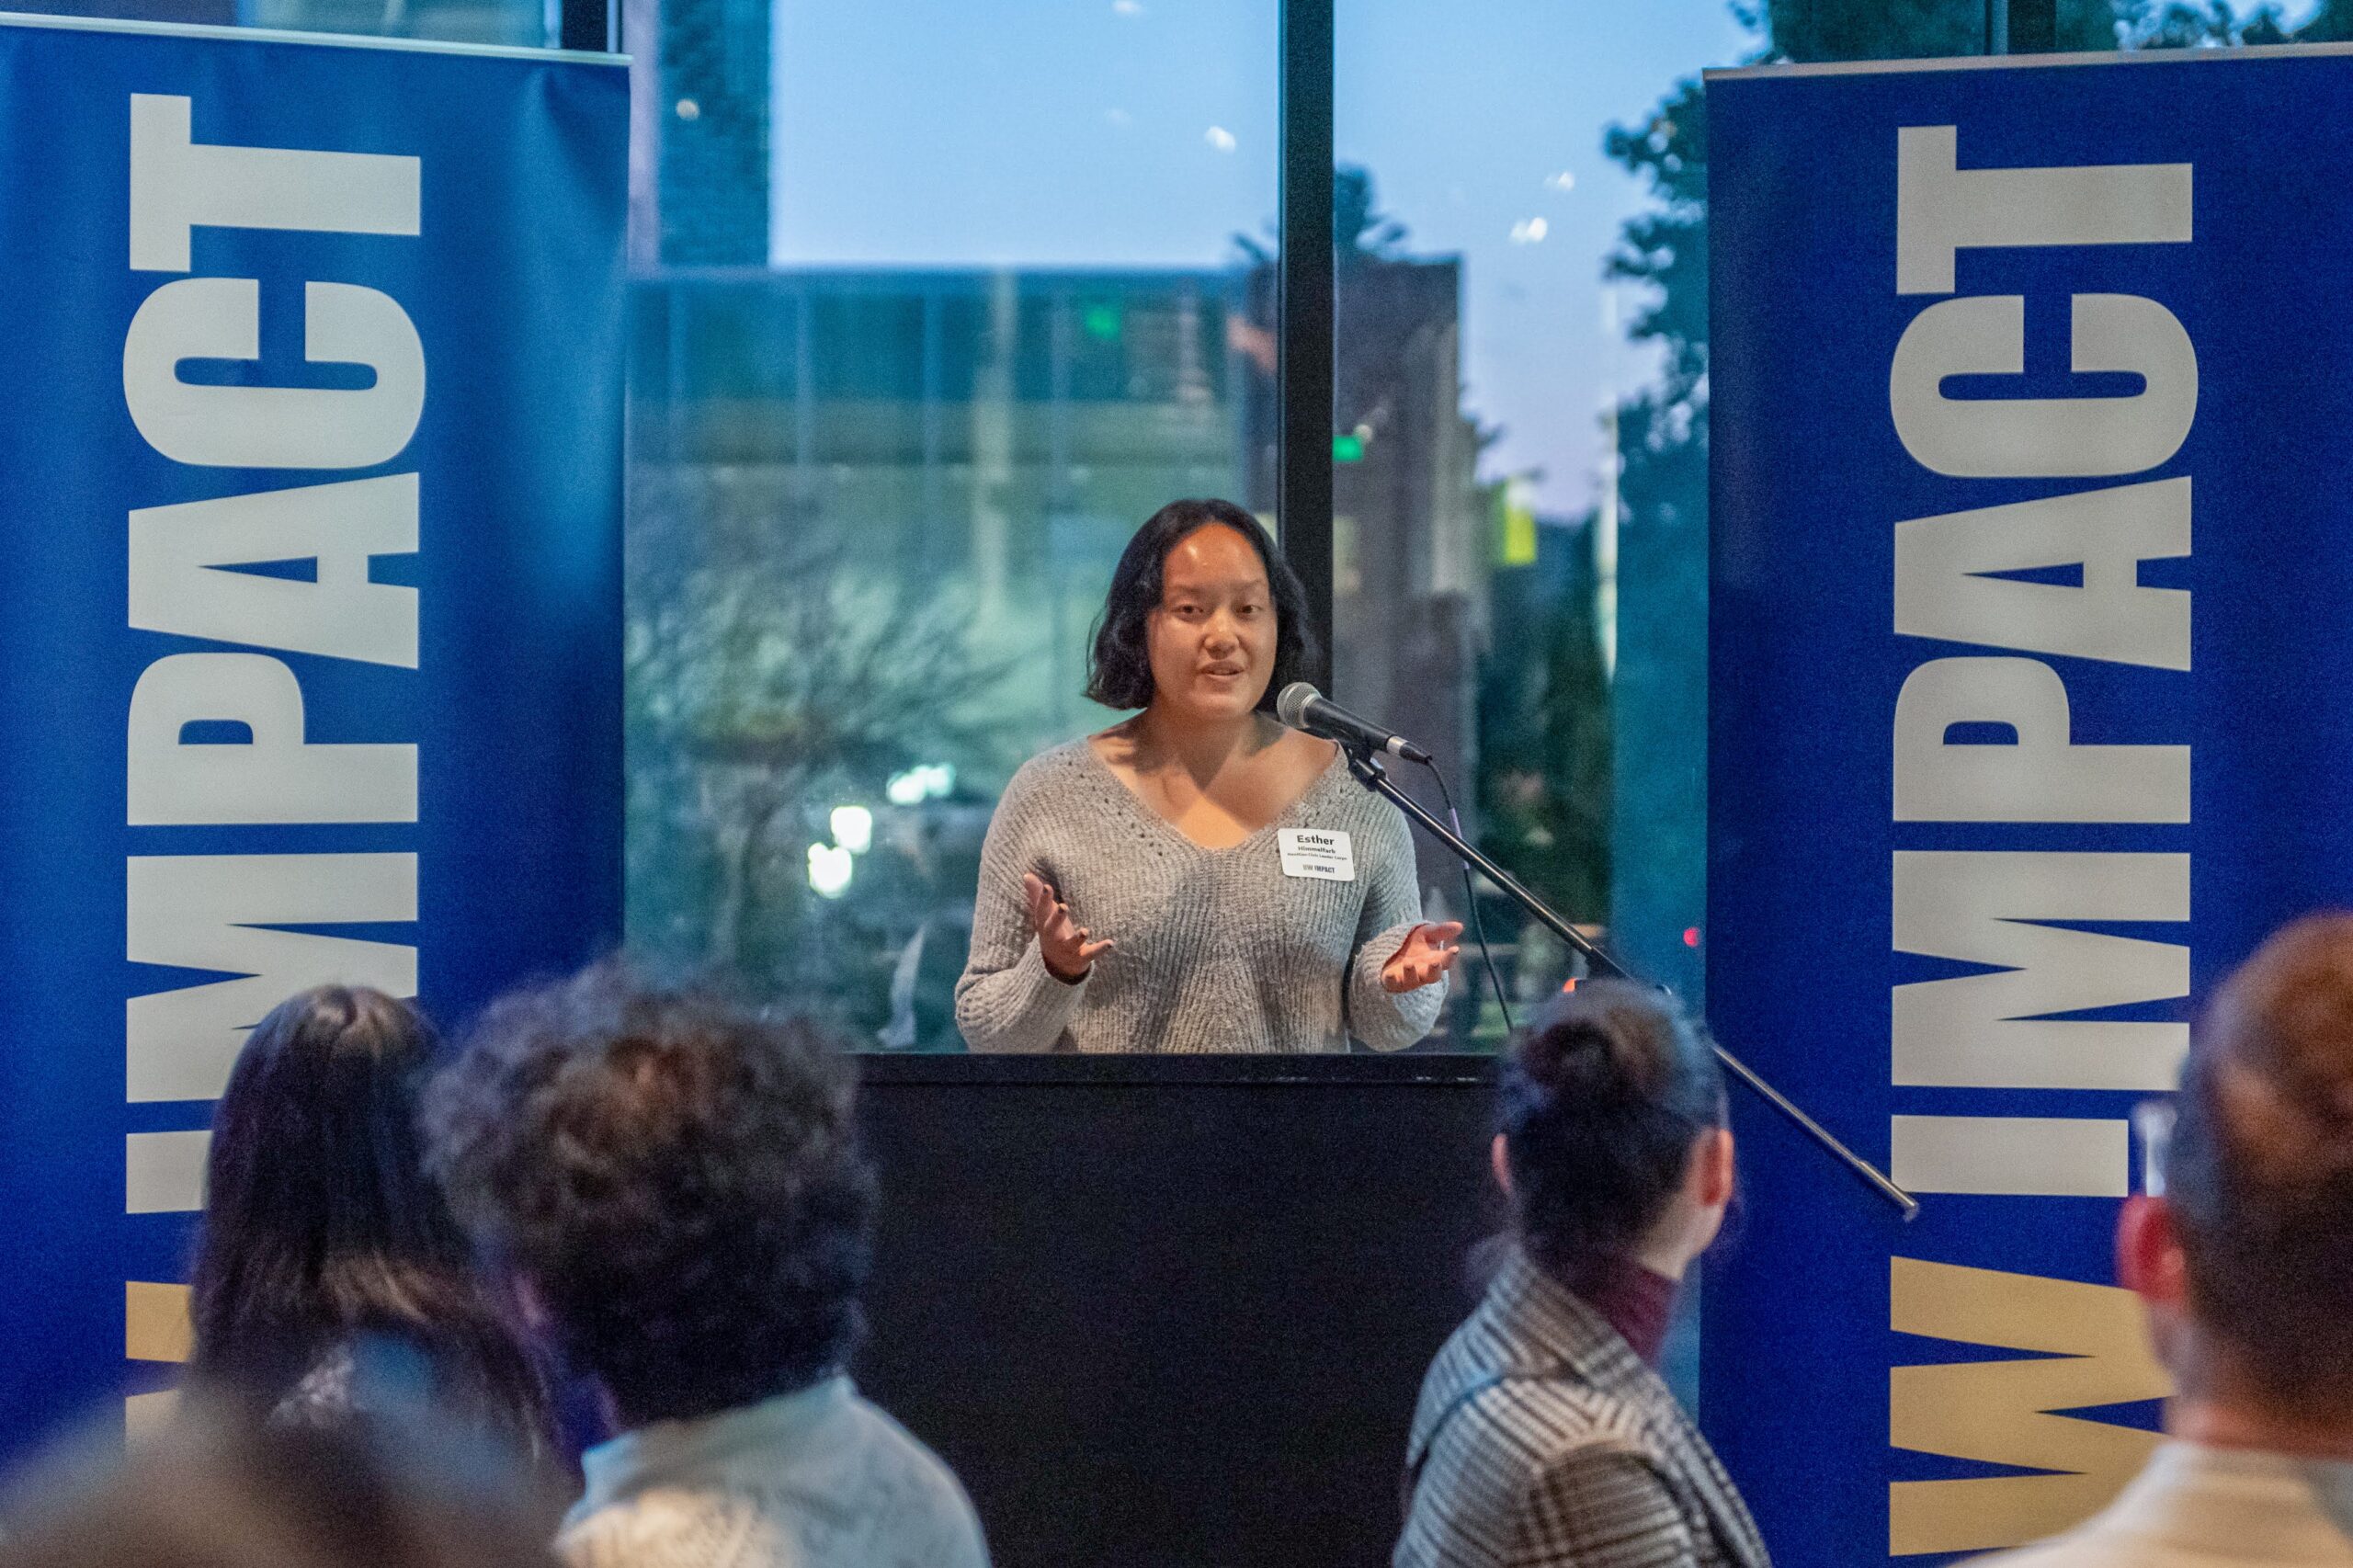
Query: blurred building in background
x: 523, y: 24
x: 872, y: 518
x: 873, y: 515
x: 1413, y: 536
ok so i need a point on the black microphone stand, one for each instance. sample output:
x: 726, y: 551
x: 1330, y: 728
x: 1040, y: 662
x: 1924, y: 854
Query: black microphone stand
x: 1368, y: 768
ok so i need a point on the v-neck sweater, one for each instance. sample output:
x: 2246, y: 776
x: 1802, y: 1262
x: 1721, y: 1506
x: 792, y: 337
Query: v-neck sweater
x: 1219, y: 950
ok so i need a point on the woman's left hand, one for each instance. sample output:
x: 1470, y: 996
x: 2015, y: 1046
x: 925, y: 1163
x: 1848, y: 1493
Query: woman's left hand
x: 1427, y: 953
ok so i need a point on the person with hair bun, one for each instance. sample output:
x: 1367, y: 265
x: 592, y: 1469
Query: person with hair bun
x: 1198, y: 877
x: 1544, y: 1436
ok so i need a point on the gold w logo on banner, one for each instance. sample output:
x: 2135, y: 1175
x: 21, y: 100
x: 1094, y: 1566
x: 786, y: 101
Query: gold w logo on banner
x: 2095, y: 1351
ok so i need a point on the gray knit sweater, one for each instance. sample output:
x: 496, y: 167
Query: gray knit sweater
x: 1219, y: 950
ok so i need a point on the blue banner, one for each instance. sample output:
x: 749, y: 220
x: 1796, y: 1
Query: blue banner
x: 310, y: 424
x: 2030, y: 428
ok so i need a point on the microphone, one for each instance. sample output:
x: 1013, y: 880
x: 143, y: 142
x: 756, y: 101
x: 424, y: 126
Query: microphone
x: 1308, y: 710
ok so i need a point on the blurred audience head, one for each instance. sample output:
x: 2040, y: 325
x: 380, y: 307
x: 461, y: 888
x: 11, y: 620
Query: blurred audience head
x: 323, y: 1233
x: 2247, y: 1259
x: 674, y: 1182
x: 1612, y: 1141
x: 219, y: 1487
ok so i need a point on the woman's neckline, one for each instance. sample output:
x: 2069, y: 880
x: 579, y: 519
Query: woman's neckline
x: 1143, y: 808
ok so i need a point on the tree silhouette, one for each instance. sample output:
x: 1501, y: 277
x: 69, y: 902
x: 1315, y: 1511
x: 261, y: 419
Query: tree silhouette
x: 1901, y: 29
x: 1544, y: 762
x: 768, y: 680
x: 1659, y: 707
x: 1360, y: 231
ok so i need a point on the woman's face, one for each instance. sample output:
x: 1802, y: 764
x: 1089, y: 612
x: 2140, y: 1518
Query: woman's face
x: 1212, y: 641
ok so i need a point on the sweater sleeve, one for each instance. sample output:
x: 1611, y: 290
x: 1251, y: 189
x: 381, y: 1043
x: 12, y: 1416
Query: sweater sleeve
x: 1008, y: 1000
x: 1393, y: 907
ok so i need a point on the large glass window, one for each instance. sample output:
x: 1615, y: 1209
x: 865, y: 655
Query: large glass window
x: 935, y: 303
x: 935, y: 310
x: 1521, y: 423
x: 1521, y: 483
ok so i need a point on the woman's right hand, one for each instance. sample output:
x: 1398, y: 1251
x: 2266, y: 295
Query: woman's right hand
x: 1062, y: 941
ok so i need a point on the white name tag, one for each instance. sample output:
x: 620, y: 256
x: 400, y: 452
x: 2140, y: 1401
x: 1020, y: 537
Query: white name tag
x: 1320, y: 852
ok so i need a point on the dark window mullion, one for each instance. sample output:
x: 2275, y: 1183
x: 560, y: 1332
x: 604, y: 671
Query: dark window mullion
x: 2034, y: 26
x: 589, y: 26
x: 2021, y: 27
x: 1303, y: 314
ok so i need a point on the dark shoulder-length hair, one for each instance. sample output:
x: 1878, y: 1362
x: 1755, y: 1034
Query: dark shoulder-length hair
x: 323, y: 1232
x: 1118, y: 672
x: 1598, y: 1107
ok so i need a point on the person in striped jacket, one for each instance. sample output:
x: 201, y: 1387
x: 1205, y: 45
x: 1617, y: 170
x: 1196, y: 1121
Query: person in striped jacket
x: 1545, y: 1438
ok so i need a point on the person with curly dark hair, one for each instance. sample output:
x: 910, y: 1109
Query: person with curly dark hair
x: 1545, y: 1438
x: 1198, y: 877
x: 676, y: 1186
x: 329, y: 1273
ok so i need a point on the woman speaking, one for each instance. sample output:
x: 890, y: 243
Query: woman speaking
x: 1198, y: 877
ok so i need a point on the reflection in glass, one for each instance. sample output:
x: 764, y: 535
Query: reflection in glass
x: 1521, y: 435
x: 521, y: 24
x: 872, y: 516
x: 524, y: 24
x: 933, y: 305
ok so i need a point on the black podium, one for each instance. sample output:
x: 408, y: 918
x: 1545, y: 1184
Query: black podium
x: 1172, y: 1311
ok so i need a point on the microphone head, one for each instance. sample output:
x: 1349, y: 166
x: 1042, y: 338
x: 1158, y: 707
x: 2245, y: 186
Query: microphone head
x: 1290, y: 704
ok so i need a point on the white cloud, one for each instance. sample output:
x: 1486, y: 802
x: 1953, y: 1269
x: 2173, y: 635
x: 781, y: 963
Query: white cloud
x: 1563, y: 181
x: 1219, y: 137
x: 1530, y: 232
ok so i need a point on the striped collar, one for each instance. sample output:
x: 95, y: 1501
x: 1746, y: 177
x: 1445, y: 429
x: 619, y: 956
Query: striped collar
x: 1541, y: 1325
x: 1529, y: 1326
